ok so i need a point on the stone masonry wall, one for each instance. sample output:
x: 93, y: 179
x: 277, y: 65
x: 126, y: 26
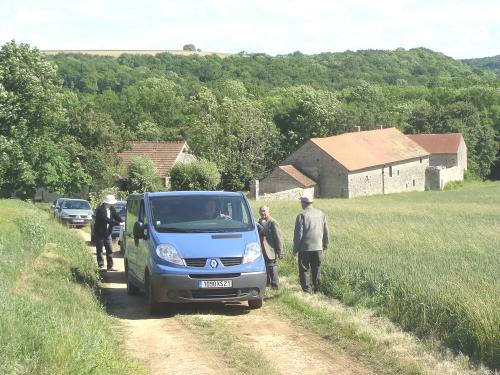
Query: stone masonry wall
x: 393, y: 178
x: 437, y: 177
x: 277, y: 181
x: 330, y: 176
x: 287, y: 194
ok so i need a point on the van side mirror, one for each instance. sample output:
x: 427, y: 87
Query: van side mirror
x: 139, y: 231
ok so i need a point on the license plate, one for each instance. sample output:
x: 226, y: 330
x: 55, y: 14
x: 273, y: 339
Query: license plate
x: 77, y: 221
x: 215, y: 284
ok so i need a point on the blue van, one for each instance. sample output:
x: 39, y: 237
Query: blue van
x: 193, y: 247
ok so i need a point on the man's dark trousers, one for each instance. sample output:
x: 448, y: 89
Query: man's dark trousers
x: 309, y: 260
x: 108, y: 245
x: 272, y: 272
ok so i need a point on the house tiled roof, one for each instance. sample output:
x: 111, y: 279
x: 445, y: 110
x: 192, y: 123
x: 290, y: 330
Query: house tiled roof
x: 438, y: 143
x: 297, y: 175
x: 163, y: 154
x: 370, y: 148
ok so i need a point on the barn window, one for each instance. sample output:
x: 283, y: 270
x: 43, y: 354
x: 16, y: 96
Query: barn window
x: 413, y: 182
x: 390, y: 171
x: 398, y: 172
x: 420, y: 160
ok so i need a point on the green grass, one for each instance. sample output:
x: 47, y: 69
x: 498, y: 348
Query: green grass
x: 50, y: 319
x: 430, y: 261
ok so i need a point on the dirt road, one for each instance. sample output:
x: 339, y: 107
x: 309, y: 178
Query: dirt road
x: 167, y: 345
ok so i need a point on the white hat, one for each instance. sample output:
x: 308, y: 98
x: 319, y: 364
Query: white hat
x: 306, y: 198
x: 109, y: 199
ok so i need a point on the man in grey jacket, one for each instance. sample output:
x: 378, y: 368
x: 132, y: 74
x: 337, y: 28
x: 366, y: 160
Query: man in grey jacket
x: 310, y: 239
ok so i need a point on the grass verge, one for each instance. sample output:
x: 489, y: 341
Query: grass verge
x: 51, y: 320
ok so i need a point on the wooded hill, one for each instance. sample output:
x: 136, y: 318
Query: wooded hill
x: 246, y: 112
x: 490, y: 63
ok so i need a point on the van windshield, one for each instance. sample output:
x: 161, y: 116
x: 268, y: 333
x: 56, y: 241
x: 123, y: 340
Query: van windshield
x: 200, y: 213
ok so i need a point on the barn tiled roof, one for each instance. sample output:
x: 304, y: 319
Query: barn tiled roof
x: 163, y: 154
x: 297, y: 175
x: 438, y: 143
x: 370, y: 148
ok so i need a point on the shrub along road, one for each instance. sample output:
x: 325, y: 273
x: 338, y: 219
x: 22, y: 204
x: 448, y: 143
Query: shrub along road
x: 231, y: 339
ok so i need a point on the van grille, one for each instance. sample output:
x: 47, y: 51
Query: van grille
x: 195, y: 262
x: 201, y: 262
x: 231, y: 261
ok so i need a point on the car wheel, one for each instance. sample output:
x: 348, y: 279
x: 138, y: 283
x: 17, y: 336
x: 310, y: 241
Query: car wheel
x: 154, y: 306
x: 255, y: 303
x: 132, y: 289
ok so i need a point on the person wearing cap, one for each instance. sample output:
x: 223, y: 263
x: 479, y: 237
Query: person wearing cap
x: 310, y: 239
x: 271, y: 243
x: 105, y: 218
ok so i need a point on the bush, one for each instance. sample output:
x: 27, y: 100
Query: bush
x: 142, y: 175
x: 197, y: 175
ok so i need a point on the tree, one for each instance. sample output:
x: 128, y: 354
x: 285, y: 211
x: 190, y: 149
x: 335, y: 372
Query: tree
x: 189, y: 47
x: 197, y: 175
x: 142, y: 175
x: 235, y: 134
x: 33, y: 126
x: 303, y: 112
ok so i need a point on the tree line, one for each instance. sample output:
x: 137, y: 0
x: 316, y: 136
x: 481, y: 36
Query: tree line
x: 64, y: 118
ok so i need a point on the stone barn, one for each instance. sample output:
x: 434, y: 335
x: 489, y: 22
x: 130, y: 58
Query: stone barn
x: 354, y: 164
x: 163, y: 155
x: 286, y: 181
x: 447, y: 160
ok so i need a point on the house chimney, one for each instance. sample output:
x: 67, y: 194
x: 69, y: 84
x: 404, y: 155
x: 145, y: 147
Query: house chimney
x: 358, y: 128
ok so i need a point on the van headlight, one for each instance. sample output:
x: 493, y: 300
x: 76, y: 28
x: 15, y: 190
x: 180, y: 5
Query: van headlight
x: 169, y: 253
x: 252, y: 252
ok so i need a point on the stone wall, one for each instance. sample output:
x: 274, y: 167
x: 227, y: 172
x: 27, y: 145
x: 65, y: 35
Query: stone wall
x: 437, y: 177
x: 287, y: 194
x: 443, y: 160
x: 392, y: 178
x: 462, y: 155
x: 330, y: 176
x: 277, y: 181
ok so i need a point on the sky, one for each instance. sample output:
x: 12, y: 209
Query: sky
x: 460, y: 29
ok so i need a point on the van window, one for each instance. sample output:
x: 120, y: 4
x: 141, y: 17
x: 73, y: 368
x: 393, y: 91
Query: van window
x: 200, y: 213
x: 133, y: 205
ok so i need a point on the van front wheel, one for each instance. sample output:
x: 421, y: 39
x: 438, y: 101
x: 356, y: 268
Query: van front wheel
x: 255, y: 303
x: 132, y: 290
x: 154, y: 306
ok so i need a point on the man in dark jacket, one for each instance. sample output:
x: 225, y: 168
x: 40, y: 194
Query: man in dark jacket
x: 309, y: 241
x: 271, y: 243
x: 105, y: 218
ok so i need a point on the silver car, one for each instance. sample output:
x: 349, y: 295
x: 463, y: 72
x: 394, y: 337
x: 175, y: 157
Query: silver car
x: 75, y: 212
x: 56, y: 207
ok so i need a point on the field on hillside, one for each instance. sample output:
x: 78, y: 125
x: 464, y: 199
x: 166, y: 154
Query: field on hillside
x: 430, y: 261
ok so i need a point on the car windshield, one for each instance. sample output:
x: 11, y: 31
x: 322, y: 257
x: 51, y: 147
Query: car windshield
x: 200, y: 213
x: 120, y: 209
x: 76, y: 205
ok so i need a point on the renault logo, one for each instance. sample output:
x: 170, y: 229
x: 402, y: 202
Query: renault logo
x: 213, y: 263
